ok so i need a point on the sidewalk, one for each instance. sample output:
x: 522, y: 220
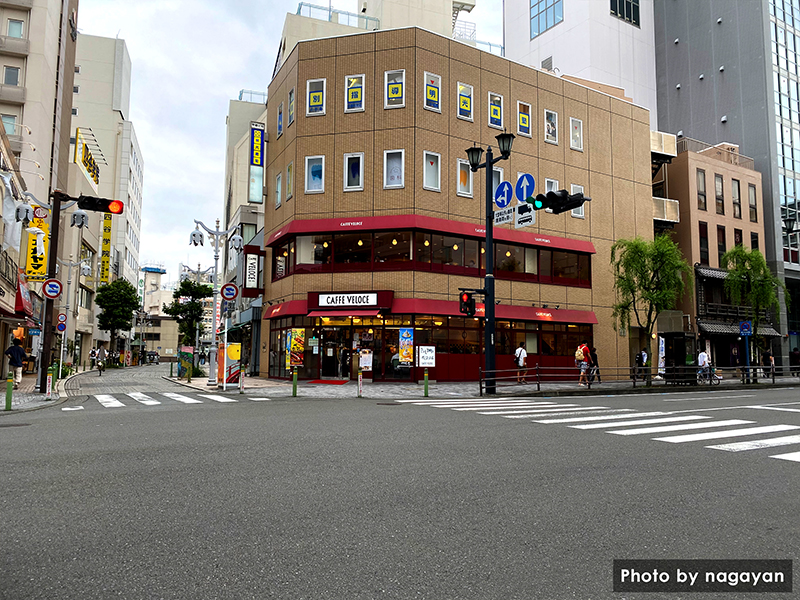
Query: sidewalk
x: 257, y: 386
x: 27, y: 397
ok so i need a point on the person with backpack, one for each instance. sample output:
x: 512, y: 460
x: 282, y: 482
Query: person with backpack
x: 582, y: 362
x: 521, y: 359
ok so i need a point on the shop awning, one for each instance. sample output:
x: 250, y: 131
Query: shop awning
x: 344, y: 313
x: 731, y: 329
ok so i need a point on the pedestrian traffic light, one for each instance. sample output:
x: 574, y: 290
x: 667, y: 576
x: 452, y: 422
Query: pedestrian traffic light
x: 466, y: 304
x: 115, y: 207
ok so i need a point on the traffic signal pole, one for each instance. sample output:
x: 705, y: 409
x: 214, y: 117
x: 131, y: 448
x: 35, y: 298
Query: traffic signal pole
x: 488, y: 283
x: 47, y: 326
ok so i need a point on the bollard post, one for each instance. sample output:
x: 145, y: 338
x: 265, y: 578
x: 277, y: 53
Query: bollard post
x: 241, y: 378
x: 50, y: 382
x: 9, y: 389
x: 360, y: 383
x: 294, y: 382
x: 538, y: 379
x: 426, y: 382
x: 170, y: 369
x: 189, y: 373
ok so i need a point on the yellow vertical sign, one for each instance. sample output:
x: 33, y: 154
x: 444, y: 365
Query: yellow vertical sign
x: 36, y: 263
x: 105, y: 249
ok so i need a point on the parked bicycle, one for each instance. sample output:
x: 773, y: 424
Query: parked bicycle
x: 707, y: 376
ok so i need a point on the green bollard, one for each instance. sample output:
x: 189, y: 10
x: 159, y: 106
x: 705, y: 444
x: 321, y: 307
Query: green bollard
x: 189, y: 375
x: 9, y: 389
x: 170, y: 369
x: 426, y: 382
x: 294, y: 382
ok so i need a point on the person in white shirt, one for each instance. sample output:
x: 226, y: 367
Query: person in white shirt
x: 521, y: 360
x: 702, y: 362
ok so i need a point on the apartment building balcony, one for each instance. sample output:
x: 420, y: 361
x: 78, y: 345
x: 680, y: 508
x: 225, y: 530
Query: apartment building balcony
x: 12, y: 94
x: 23, y: 4
x: 730, y: 312
x: 665, y: 209
x: 14, y: 46
x: 85, y: 321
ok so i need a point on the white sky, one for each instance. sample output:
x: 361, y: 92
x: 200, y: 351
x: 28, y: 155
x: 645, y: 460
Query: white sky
x: 190, y: 57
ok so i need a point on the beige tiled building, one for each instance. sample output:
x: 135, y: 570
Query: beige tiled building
x: 385, y: 171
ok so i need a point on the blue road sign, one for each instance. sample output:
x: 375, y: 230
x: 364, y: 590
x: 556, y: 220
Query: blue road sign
x: 745, y: 328
x: 525, y: 186
x: 503, y: 194
x: 61, y: 327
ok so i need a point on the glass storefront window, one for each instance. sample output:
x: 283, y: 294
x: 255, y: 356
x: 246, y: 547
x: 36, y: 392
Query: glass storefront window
x: 422, y: 247
x: 392, y: 247
x: 565, y: 265
x: 353, y: 249
x: 510, y: 258
x: 531, y: 261
x: 472, y: 257
x: 314, y: 250
x: 545, y: 264
x: 454, y: 251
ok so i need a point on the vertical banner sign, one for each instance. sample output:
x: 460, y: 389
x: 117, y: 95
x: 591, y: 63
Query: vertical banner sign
x: 289, y: 349
x: 36, y: 260
x: 105, y: 249
x: 85, y: 161
x: 432, y: 94
x: 256, y: 182
x: 407, y: 346
x: 297, y: 347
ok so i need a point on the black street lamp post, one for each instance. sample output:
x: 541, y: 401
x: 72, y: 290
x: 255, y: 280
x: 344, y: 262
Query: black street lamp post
x: 474, y: 154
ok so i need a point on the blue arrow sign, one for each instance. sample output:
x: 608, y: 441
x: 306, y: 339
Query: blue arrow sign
x: 503, y: 194
x: 525, y: 187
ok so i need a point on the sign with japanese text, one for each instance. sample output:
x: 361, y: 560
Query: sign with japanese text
x: 85, y: 161
x: 426, y: 356
x: 36, y: 258
x: 297, y: 347
x: 105, y: 249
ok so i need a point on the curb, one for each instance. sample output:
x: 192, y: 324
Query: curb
x: 62, y: 397
x: 660, y: 389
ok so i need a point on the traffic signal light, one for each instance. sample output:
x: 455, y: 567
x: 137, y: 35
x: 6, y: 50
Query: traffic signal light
x: 466, y: 304
x: 559, y: 201
x: 115, y: 207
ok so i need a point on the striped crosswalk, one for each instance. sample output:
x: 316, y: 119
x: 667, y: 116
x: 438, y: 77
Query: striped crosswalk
x: 624, y: 422
x: 154, y: 399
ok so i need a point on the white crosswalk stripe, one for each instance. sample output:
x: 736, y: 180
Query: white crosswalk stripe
x: 564, y: 408
x: 679, y: 439
x: 683, y: 427
x: 603, y: 417
x: 508, y: 406
x: 143, y: 398
x: 181, y: 398
x: 793, y: 456
x: 757, y: 444
x: 108, y: 401
x: 639, y: 422
x: 216, y: 398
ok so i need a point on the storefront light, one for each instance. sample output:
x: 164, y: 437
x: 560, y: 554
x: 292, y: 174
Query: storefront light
x: 360, y: 243
x: 324, y: 244
x: 455, y: 246
x: 427, y: 243
x: 508, y: 253
x: 483, y: 250
x: 285, y: 253
x: 438, y: 323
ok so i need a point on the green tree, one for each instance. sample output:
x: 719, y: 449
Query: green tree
x: 649, y: 278
x: 118, y: 301
x: 187, y: 308
x: 751, y: 283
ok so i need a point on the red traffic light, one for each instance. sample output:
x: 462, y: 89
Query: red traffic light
x: 464, y: 297
x: 116, y: 207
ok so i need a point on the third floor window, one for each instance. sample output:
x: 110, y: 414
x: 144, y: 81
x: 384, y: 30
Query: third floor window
x: 627, y: 10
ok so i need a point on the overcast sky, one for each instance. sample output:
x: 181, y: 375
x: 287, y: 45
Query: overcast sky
x: 190, y: 57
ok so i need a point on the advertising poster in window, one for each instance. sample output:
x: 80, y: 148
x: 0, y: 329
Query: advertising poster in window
x: 576, y: 134
x: 464, y: 106
x: 316, y: 99
x: 395, y: 92
x: 297, y: 347
x: 407, y: 346
x: 314, y: 176
x: 550, y: 126
x: 394, y: 169
x: 432, y: 93
x: 496, y: 112
x: 524, y: 123
x: 355, y: 100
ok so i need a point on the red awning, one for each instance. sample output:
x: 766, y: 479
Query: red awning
x: 344, y: 313
x: 286, y: 309
x: 397, y: 222
x: 503, y: 311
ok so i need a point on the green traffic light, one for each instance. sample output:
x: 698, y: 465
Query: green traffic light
x: 537, y: 204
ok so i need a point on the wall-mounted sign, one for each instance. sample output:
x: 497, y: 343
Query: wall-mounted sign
x: 251, y: 271
x: 85, y: 161
x: 256, y: 179
x: 38, y: 243
x: 105, y: 249
x: 370, y: 299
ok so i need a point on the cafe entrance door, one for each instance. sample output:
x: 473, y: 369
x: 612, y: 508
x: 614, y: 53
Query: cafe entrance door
x: 335, y: 346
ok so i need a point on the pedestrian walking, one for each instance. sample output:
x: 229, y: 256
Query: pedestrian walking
x: 92, y: 357
x: 202, y: 357
x: 16, y: 356
x: 521, y: 360
x: 767, y: 363
x: 582, y: 362
x: 594, y: 368
x: 794, y: 362
x: 643, y: 364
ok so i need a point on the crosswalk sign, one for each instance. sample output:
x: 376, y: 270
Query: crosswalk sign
x: 431, y: 96
x: 464, y: 106
x: 524, y: 123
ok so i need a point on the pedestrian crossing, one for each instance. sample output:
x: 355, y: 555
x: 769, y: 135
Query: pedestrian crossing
x: 151, y: 399
x: 625, y: 422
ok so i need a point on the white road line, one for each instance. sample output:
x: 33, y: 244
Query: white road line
x: 696, y: 437
x: 602, y: 417
x: 504, y: 406
x: 793, y: 456
x: 685, y: 426
x: 260, y: 399
x: 711, y: 398
x: 522, y: 409
x: 72, y: 408
x: 143, y: 398
x: 181, y: 398
x: 756, y: 444
x: 217, y: 398
x: 108, y: 401
x: 440, y: 404
x: 547, y: 410
x: 641, y: 422
x: 530, y: 414
x: 775, y: 408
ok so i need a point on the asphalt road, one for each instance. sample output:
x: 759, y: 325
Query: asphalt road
x: 351, y: 499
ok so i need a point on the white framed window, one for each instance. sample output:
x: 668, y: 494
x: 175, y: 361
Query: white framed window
x: 15, y: 28
x: 291, y: 108
x: 550, y: 185
x: 497, y: 179
x: 550, y: 126
x: 315, y: 174
x: 432, y: 171
x: 433, y: 89
x: 576, y: 134
x: 278, y: 182
x: 464, y: 179
x: 577, y: 212
x: 354, y: 93
x: 290, y: 180
x: 395, y: 89
x: 280, y: 119
x: 524, y: 119
x: 315, y: 97
x: 464, y: 101
x: 495, y: 110
x: 354, y: 172
x: 394, y: 168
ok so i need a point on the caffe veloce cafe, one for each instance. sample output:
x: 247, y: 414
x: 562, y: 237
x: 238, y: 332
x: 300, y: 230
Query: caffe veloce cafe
x: 337, y: 332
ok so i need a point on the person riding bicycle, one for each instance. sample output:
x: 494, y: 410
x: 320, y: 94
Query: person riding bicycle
x: 704, y: 364
x: 102, y: 356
